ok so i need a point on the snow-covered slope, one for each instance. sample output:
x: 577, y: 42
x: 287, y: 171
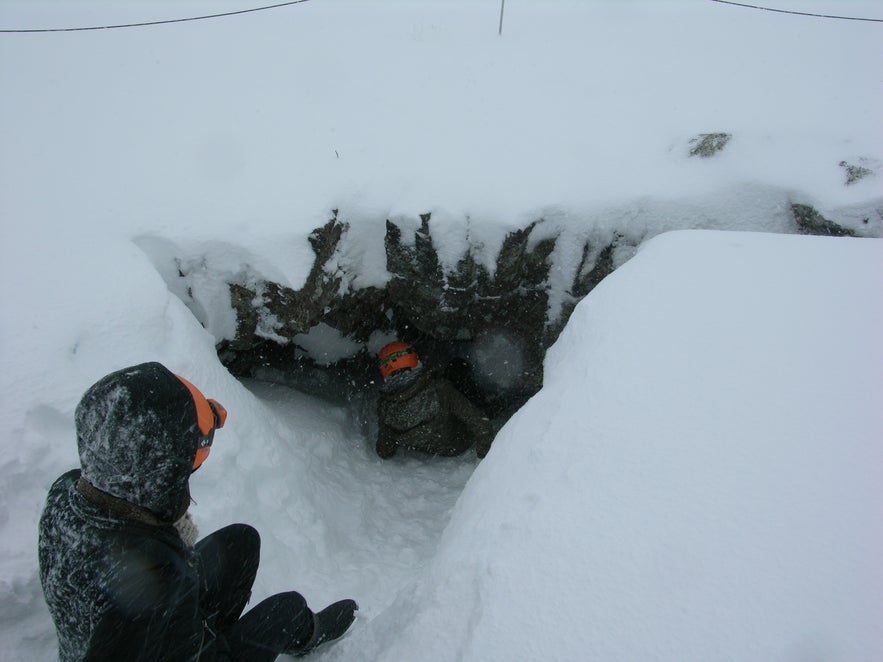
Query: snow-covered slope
x: 697, y: 480
x: 708, y: 364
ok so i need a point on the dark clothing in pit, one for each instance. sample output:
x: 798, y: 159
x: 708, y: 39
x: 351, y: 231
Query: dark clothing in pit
x: 425, y: 412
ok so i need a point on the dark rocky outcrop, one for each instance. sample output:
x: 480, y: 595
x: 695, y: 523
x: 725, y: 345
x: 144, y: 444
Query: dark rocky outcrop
x: 491, y: 327
x: 495, y: 326
x: 706, y: 145
x: 855, y: 172
x: 809, y: 221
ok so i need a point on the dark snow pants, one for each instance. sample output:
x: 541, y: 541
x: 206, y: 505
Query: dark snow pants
x: 228, y: 562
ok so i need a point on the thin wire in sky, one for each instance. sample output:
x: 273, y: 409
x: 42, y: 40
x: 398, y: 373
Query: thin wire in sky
x: 174, y: 20
x: 799, y: 13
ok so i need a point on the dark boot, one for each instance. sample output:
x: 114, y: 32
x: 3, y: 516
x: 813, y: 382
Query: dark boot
x: 329, y: 624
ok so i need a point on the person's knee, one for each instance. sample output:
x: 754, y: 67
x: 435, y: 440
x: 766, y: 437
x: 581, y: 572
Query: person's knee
x: 230, y: 554
x: 249, y: 538
x: 295, y: 605
x: 293, y: 602
x: 243, y: 537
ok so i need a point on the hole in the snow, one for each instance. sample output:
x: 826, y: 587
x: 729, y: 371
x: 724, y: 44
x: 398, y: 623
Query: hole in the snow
x: 496, y: 371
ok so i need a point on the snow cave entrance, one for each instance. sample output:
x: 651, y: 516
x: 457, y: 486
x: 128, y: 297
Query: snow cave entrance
x: 496, y: 370
x: 362, y: 526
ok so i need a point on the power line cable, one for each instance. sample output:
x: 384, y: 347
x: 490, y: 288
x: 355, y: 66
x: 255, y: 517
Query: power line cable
x: 174, y: 20
x: 297, y: 2
x: 799, y: 13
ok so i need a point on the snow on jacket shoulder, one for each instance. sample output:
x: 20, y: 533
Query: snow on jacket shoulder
x: 117, y: 589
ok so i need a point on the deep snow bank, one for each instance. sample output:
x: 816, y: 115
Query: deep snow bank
x: 697, y: 480
x: 231, y: 139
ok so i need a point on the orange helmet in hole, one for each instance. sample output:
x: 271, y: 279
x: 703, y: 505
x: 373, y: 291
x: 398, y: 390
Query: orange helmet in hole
x: 396, y: 356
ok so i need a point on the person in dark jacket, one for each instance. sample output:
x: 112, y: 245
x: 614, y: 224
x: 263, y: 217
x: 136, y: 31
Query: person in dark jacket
x: 422, y: 411
x: 120, y: 581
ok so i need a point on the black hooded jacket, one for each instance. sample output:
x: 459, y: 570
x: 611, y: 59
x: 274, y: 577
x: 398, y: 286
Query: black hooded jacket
x: 119, y: 581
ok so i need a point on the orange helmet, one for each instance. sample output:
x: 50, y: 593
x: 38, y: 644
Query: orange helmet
x: 395, y: 356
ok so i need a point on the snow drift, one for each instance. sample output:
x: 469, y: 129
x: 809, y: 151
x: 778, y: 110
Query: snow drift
x: 698, y: 479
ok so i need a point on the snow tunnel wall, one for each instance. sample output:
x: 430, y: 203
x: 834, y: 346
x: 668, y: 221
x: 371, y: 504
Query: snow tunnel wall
x: 478, y: 300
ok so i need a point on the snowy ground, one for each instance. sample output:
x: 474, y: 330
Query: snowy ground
x: 699, y: 477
